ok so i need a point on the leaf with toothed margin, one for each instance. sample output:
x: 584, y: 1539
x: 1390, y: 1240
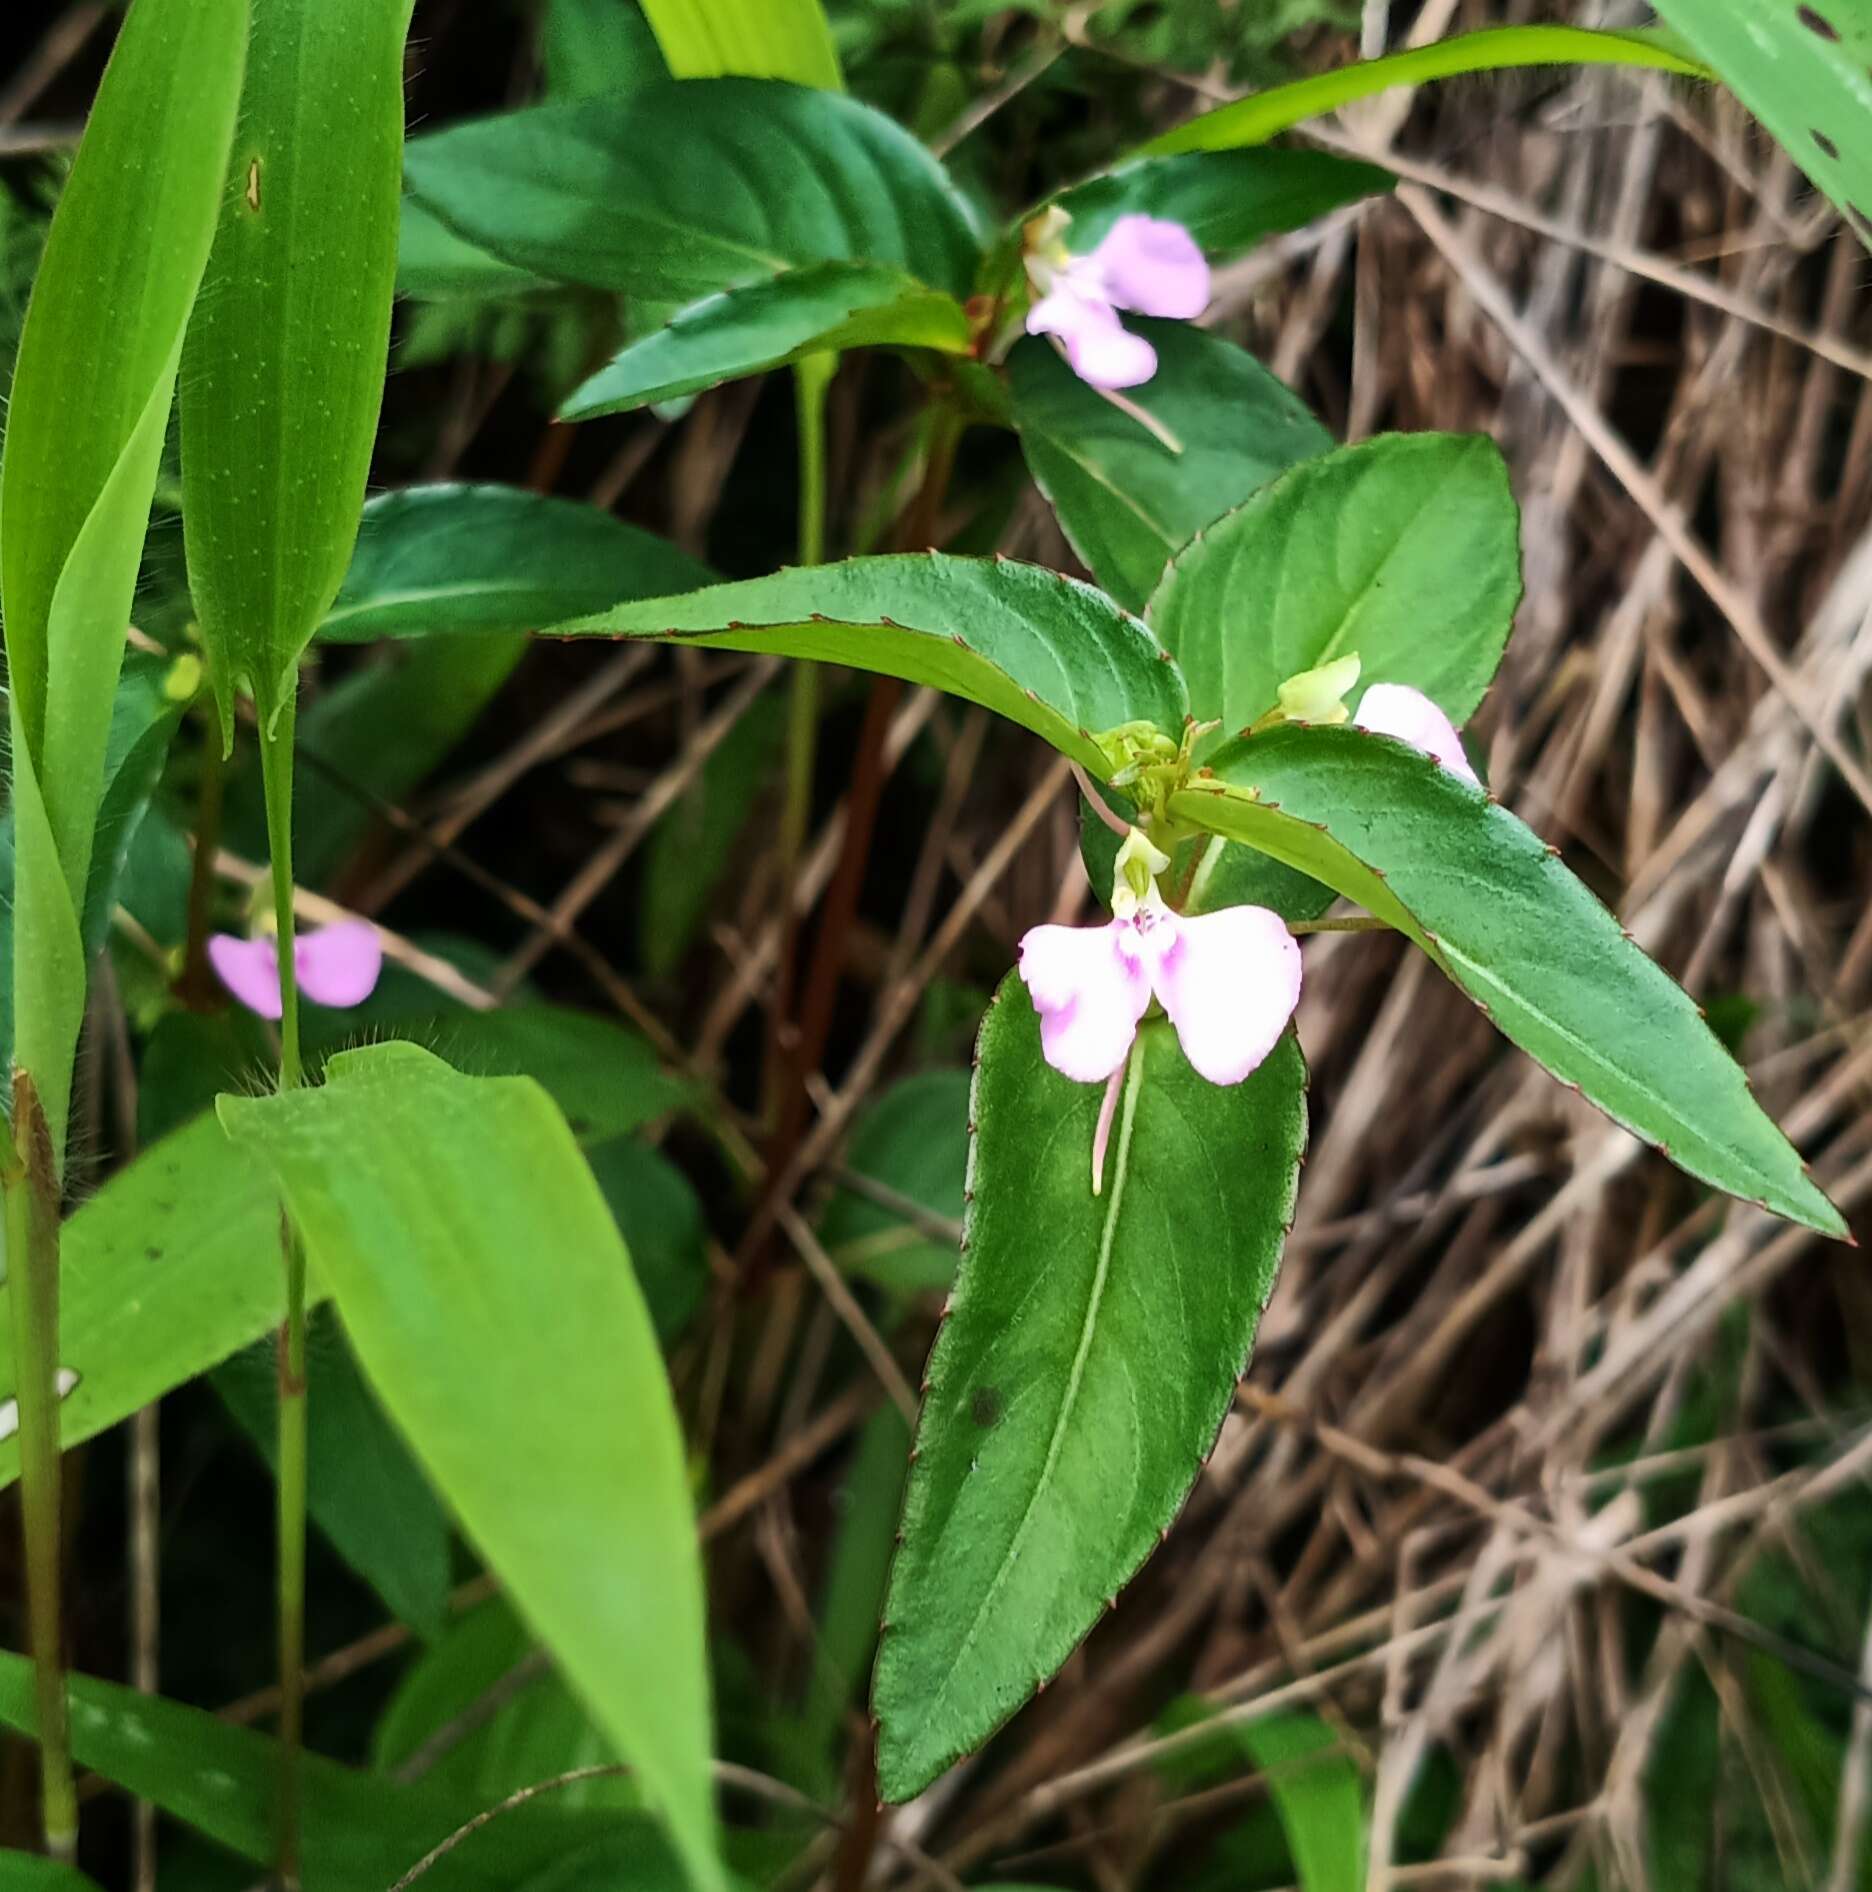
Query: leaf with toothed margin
x: 1046, y: 652
x: 1088, y: 1358
x: 1805, y: 70
x: 1492, y: 904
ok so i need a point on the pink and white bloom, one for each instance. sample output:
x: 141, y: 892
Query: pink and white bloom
x: 1229, y: 981
x: 1145, y: 264
x: 337, y: 965
x: 1395, y: 709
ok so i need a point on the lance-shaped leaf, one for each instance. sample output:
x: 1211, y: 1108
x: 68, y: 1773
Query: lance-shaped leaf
x: 1044, y: 651
x: 537, y: 1402
x: 362, y: 1832
x: 170, y: 1268
x: 1405, y: 549
x: 1227, y: 200
x: 1089, y: 1356
x: 1260, y: 116
x: 453, y: 557
x: 285, y: 363
x: 1806, y: 72
x: 90, y: 400
x: 690, y: 187
x: 765, y: 39
x: 767, y: 324
x: 1125, y: 498
x: 1484, y: 897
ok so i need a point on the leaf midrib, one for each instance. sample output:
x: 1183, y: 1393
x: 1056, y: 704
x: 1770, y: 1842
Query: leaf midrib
x: 1108, y: 1233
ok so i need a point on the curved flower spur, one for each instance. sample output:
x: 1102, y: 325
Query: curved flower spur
x: 1227, y: 981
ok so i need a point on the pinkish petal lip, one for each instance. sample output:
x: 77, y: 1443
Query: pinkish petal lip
x: 338, y: 965
x: 1395, y: 709
x: 1100, y: 350
x: 1230, y: 985
x: 1089, y: 995
x: 249, y: 968
x: 1154, y: 267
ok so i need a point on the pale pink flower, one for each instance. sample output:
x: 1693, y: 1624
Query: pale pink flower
x: 1145, y: 264
x: 1395, y: 709
x: 1229, y: 981
x: 337, y: 965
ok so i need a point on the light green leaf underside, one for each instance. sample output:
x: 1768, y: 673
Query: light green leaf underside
x: 1259, y: 117
x: 287, y: 348
x: 764, y: 39
x: 427, y: 1201
x: 682, y: 189
x: 1806, y: 73
x: 762, y: 325
x: 1046, y: 652
x: 1124, y: 499
x: 1227, y: 200
x: 453, y: 557
x: 1091, y: 1351
x: 1405, y: 549
x: 1483, y: 896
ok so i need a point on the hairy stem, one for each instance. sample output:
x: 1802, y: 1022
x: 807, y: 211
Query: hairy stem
x: 32, y: 1246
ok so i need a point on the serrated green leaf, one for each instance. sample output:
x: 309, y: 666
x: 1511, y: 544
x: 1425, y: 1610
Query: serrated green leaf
x: 1128, y: 502
x: 1046, y: 652
x: 362, y: 1833
x: 1089, y: 1357
x: 1227, y: 200
x: 452, y: 557
x: 1405, y: 549
x: 1483, y: 896
x: 1259, y: 117
x: 768, y: 324
x: 286, y: 353
x: 171, y: 1267
x: 765, y: 39
x: 1806, y: 72
x: 691, y: 187
x: 580, y: 1500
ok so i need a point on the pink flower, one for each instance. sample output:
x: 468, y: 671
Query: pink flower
x: 337, y: 965
x: 1144, y: 264
x: 1395, y: 709
x: 1229, y: 981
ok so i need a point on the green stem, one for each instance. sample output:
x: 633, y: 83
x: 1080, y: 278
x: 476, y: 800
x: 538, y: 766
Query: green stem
x: 31, y: 1186
x: 811, y: 378
x: 198, y: 981
x: 276, y: 766
x: 276, y: 769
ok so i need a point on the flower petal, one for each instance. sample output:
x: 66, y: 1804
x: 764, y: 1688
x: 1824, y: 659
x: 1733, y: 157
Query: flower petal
x: 1153, y: 267
x: 1230, y: 984
x: 1100, y: 350
x: 1395, y: 709
x: 338, y: 965
x: 1089, y: 994
x: 249, y: 968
